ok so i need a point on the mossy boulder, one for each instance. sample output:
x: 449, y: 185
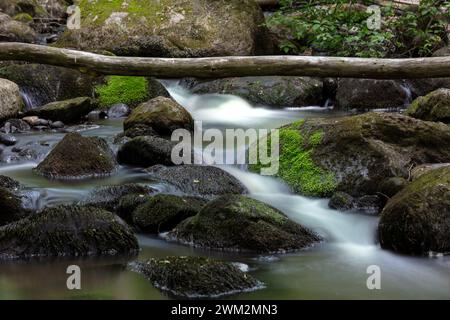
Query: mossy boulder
x: 146, y: 151
x: 366, y: 94
x: 435, y: 106
x: 271, y: 91
x: 162, y: 114
x: 422, y: 87
x: 15, y: 31
x: 239, y: 223
x: 67, y: 111
x: 356, y: 154
x: 108, y: 197
x: 420, y: 170
x: 69, y: 231
x: 77, y: 157
x: 163, y: 212
x: 198, y: 180
x: 10, y: 206
x: 10, y: 101
x: 417, y: 219
x: 44, y: 84
x: 31, y: 7
x: 196, y: 277
x: 170, y: 28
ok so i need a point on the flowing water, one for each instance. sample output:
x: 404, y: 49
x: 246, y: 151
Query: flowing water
x: 334, y: 269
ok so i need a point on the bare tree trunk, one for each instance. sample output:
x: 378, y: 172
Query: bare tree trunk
x: 222, y: 67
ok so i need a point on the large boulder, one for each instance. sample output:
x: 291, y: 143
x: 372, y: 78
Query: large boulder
x: 67, y: 231
x: 10, y: 100
x: 356, y: 154
x: 198, y: 179
x: 10, y: 206
x: 67, y: 111
x: 196, y: 277
x: 162, y: 115
x: 108, y: 197
x: 15, y: 31
x: 366, y: 94
x: 77, y: 157
x: 270, y: 91
x: 422, y: 87
x: 170, y: 28
x: 164, y: 211
x: 146, y: 151
x: 42, y: 84
x: 417, y: 219
x: 435, y: 106
x: 239, y: 223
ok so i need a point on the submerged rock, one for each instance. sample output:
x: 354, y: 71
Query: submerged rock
x: 272, y: 91
x: 76, y: 157
x: 356, y: 154
x: 198, y: 179
x: 235, y: 222
x: 7, y: 139
x: 366, y: 94
x: 196, y: 277
x: 435, y: 106
x: 172, y: 28
x: 10, y: 100
x: 163, y: 212
x: 67, y: 111
x: 417, y: 219
x: 108, y: 197
x: 67, y: 231
x: 146, y: 151
x: 161, y: 114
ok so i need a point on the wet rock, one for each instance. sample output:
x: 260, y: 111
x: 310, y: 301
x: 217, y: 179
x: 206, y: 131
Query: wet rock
x: 163, y: 115
x: 163, y: 212
x: 238, y: 223
x: 16, y: 125
x: 173, y: 29
x: 77, y: 157
x: 128, y: 203
x: 107, y: 197
x: 418, y: 171
x: 146, y: 151
x: 9, y: 183
x: 368, y: 204
x: 10, y: 100
x: 392, y: 186
x: 417, y: 219
x: 57, y: 125
x: 42, y: 84
x: 7, y: 139
x: 68, y: 111
x: 435, y: 106
x: 119, y: 110
x: 196, y: 277
x: 15, y: 31
x: 69, y: 231
x: 422, y: 87
x: 356, y: 154
x: 10, y: 206
x: 197, y: 179
x: 366, y: 94
x: 96, y: 115
x: 31, y: 120
x: 271, y: 91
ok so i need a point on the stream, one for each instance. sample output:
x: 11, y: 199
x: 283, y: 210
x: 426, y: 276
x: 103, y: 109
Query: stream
x: 333, y: 269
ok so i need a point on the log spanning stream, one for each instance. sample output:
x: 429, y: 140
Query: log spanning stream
x: 334, y: 269
x: 221, y: 67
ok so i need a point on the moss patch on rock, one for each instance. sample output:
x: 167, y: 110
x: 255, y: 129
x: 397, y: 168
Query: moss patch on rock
x: 417, y: 219
x: 67, y: 231
x: 196, y: 277
x: 239, y: 223
x: 435, y: 106
x: 296, y: 165
x: 76, y: 157
x: 123, y: 89
x: 163, y: 212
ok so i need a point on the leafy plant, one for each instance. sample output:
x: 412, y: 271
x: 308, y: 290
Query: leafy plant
x: 340, y: 28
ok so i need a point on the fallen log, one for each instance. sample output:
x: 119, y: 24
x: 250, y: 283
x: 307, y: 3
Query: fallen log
x: 221, y: 67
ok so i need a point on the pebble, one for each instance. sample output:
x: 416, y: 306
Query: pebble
x: 32, y: 120
x: 57, y: 125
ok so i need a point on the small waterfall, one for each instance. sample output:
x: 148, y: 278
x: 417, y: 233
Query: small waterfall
x: 29, y: 98
x: 408, y: 92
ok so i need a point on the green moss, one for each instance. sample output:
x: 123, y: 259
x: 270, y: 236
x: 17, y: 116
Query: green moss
x: 23, y: 17
x: 297, y: 167
x: 123, y: 89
